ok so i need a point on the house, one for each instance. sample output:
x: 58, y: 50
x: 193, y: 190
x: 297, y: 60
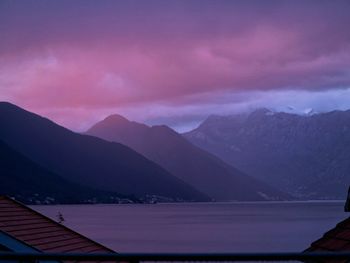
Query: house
x: 24, y: 230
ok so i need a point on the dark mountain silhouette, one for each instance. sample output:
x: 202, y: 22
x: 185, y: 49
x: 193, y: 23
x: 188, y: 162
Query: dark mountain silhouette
x: 88, y: 160
x: 184, y: 160
x: 306, y: 156
x: 30, y: 183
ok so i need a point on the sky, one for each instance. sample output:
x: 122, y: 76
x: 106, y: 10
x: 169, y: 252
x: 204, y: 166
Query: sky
x: 173, y: 62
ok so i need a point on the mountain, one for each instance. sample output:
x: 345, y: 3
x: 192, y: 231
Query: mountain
x: 32, y: 184
x: 191, y: 164
x: 87, y: 160
x: 304, y: 155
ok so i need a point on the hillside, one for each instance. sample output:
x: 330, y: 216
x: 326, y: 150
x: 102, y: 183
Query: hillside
x: 30, y: 183
x: 305, y: 155
x: 87, y: 160
x: 191, y: 164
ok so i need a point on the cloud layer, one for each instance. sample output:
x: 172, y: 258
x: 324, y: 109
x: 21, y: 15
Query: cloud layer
x: 87, y: 58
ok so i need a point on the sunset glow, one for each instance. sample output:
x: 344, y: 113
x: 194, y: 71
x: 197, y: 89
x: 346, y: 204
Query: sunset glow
x: 172, y: 62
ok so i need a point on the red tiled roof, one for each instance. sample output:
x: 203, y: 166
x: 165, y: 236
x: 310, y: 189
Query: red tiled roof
x: 336, y: 239
x: 42, y: 233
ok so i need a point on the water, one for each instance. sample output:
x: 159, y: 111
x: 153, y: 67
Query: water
x: 205, y: 227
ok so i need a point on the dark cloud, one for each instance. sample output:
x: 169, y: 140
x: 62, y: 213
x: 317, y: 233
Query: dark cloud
x: 108, y: 55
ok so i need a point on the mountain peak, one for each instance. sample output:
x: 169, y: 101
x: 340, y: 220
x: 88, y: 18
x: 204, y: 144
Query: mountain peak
x: 262, y: 111
x: 5, y: 103
x: 309, y: 112
x: 9, y: 105
x: 116, y: 118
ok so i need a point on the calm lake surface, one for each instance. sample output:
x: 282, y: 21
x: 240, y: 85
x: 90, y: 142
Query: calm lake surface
x: 204, y: 227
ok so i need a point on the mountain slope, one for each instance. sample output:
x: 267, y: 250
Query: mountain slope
x: 306, y: 156
x: 88, y: 160
x: 31, y: 183
x: 184, y: 160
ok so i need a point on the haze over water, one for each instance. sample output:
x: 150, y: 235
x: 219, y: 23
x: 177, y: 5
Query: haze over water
x: 203, y: 227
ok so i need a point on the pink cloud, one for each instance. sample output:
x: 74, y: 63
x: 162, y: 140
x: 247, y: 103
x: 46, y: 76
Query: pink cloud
x: 109, y: 55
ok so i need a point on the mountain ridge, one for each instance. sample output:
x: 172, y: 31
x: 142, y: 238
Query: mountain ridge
x: 199, y: 168
x: 88, y: 160
x: 301, y: 154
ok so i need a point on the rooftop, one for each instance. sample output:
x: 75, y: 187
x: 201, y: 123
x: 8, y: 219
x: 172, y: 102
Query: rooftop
x: 336, y: 239
x: 42, y: 233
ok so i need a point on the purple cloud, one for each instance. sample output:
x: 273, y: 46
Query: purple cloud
x: 97, y: 56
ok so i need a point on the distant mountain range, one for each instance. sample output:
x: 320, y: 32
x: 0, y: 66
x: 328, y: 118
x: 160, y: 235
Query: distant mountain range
x: 307, y: 156
x: 189, y: 163
x: 83, y: 160
x: 243, y: 157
